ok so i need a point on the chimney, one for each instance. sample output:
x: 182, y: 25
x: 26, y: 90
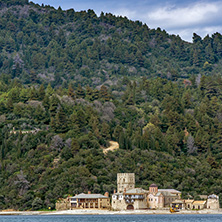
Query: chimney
x: 89, y: 192
x: 106, y: 194
x: 114, y: 191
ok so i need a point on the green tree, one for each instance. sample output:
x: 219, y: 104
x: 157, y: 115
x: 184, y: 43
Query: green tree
x: 75, y: 147
x: 104, y: 93
x: 61, y: 123
x: 80, y: 93
x: 53, y: 105
x: 37, y: 204
x: 41, y: 92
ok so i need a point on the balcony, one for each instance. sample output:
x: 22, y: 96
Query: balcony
x: 72, y: 200
x: 134, y: 197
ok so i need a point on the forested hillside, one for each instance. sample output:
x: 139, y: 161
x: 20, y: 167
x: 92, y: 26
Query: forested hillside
x: 71, y: 81
x: 39, y: 44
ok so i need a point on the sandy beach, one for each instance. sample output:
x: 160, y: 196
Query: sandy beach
x: 106, y: 212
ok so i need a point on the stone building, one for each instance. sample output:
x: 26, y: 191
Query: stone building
x: 155, y: 201
x: 128, y: 197
x: 179, y: 204
x: 84, y: 201
x: 90, y: 201
x: 209, y: 202
x: 161, y: 198
x: 188, y: 203
x: 213, y: 202
x: 199, y: 204
x: 133, y: 199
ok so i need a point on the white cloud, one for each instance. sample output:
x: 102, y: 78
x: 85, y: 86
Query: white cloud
x: 187, y: 33
x: 125, y: 12
x: 195, y: 14
x: 176, y: 17
x: 200, y: 17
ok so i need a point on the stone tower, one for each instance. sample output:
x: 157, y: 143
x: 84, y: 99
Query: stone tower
x: 125, y: 181
x: 213, y: 202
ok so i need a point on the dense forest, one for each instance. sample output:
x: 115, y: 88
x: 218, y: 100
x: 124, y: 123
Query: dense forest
x: 70, y: 82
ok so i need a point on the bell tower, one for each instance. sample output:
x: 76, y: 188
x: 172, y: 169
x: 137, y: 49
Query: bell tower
x: 125, y: 181
x: 153, y: 189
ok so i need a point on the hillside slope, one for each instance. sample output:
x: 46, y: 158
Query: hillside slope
x: 40, y: 44
x: 70, y: 82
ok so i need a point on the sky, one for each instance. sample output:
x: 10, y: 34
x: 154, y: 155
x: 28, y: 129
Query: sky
x: 178, y: 17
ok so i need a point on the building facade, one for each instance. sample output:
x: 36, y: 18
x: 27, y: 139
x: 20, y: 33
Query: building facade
x: 199, y: 204
x: 213, y: 202
x: 161, y: 198
x: 210, y: 202
x: 128, y: 197
x: 84, y: 201
x: 133, y: 199
x: 90, y: 201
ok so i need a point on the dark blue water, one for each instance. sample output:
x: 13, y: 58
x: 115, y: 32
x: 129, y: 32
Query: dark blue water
x: 114, y: 218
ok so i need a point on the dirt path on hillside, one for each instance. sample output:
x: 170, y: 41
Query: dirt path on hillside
x: 113, y: 146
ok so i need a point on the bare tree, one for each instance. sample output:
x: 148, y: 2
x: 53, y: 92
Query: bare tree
x: 198, y: 79
x: 219, y: 116
x: 68, y: 142
x: 191, y: 149
x: 18, y: 61
x: 22, y: 183
x: 57, y: 143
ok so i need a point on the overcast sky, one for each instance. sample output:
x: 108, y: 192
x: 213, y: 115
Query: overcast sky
x: 182, y: 17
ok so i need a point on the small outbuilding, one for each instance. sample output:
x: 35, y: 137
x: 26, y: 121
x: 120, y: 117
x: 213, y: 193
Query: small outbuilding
x: 178, y: 204
x: 213, y: 202
x: 188, y: 204
x: 199, y: 204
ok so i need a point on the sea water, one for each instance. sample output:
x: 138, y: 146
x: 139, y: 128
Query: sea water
x: 113, y: 218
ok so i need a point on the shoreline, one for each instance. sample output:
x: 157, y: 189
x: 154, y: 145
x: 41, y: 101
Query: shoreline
x: 107, y: 212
